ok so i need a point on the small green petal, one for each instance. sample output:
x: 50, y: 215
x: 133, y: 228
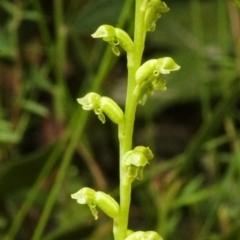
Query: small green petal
x: 105, y: 31
x: 144, y: 90
x: 166, y: 65
x: 115, y: 50
x: 93, y: 209
x: 89, y: 101
x: 132, y: 172
x: 160, y: 85
x: 163, y: 7
x: 146, y: 151
x: 140, y: 173
x: 84, y: 196
x: 135, y: 158
x: 101, y: 117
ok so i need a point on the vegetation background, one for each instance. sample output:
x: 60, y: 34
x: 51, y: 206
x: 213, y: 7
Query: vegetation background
x: 50, y: 147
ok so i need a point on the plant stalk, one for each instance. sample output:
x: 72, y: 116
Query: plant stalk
x: 134, y: 61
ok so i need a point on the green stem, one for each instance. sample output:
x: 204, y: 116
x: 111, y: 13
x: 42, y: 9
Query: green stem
x: 43, y: 29
x: 60, y: 53
x: 134, y: 61
x: 34, y: 192
x: 198, y: 29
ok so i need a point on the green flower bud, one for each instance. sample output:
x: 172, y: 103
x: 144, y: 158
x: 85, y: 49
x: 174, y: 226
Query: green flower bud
x: 100, y: 105
x: 86, y: 196
x: 91, y: 101
x: 111, y: 109
x: 140, y: 235
x: 135, y: 161
x: 153, y: 13
x: 145, y: 70
x: 100, y: 199
x: 154, y: 67
x: 115, y: 37
x: 148, y: 77
x: 124, y: 40
x: 107, y: 204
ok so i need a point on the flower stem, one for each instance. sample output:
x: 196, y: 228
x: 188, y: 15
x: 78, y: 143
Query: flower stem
x: 134, y: 61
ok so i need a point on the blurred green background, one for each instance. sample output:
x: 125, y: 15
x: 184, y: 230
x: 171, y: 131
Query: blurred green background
x: 50, y: 147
